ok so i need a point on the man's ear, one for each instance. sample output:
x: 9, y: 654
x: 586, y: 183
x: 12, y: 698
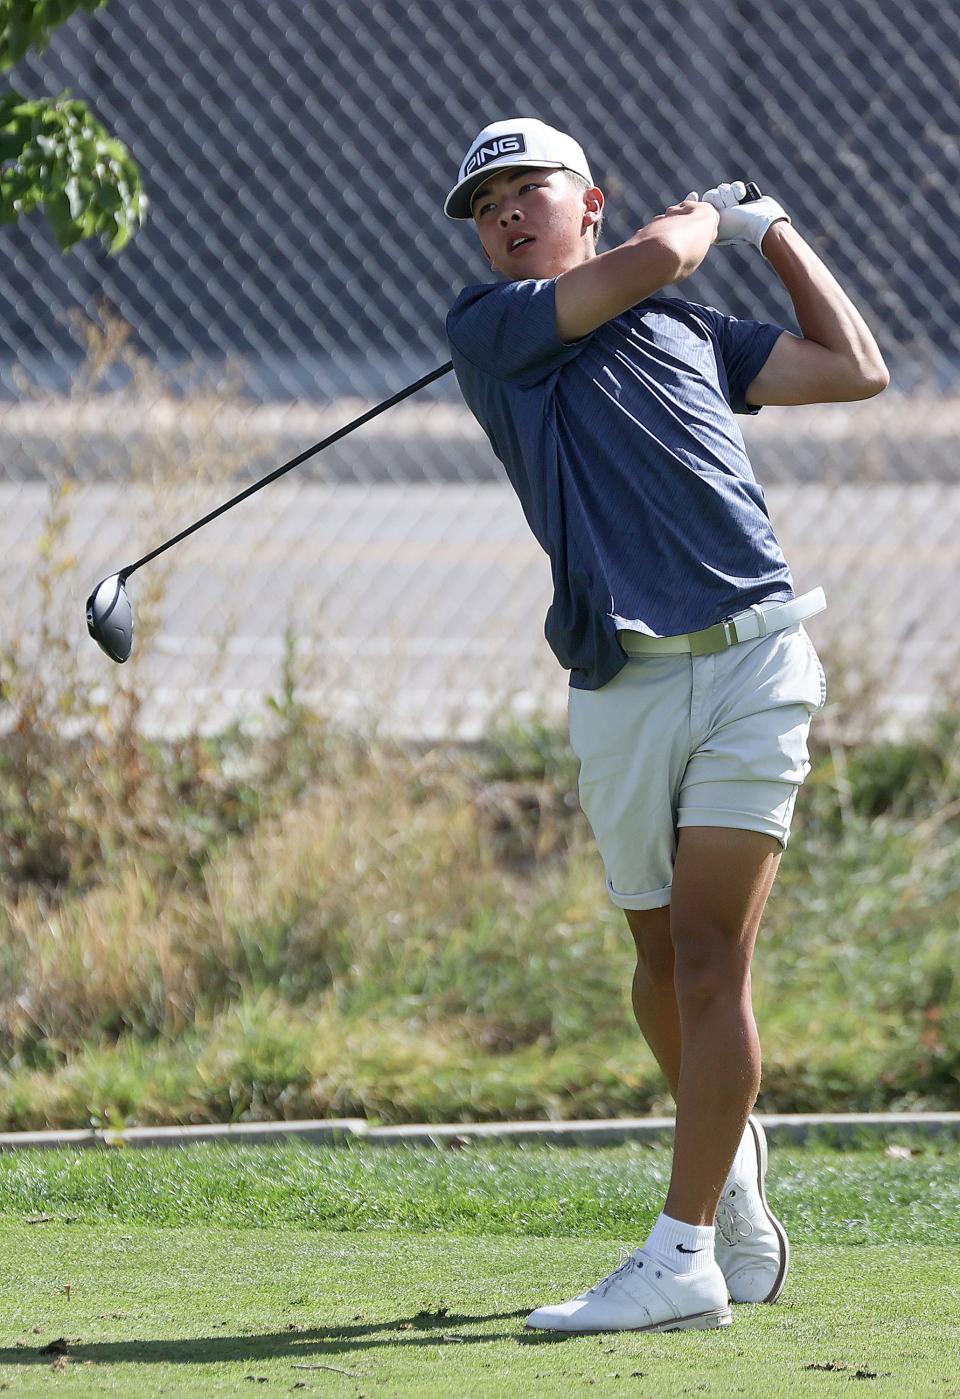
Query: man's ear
x: 592, y: 205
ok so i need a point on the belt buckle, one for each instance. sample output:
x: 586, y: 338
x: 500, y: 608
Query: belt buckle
x: 755, y: 612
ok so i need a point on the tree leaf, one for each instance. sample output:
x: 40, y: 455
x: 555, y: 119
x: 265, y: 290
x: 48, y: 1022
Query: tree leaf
x: 30, y: 23
x: 58, y: 153
x: 57, y: 209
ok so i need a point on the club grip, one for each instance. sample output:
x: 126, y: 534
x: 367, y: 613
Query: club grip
x: 752, y: 192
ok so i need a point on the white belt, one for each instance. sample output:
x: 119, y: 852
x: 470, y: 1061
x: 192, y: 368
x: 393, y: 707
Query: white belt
x: 754, y: 622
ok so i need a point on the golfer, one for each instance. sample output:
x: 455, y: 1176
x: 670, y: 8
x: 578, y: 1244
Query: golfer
x: 692, y: 681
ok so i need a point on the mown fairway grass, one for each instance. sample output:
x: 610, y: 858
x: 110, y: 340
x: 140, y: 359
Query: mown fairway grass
x: 209, y: 1271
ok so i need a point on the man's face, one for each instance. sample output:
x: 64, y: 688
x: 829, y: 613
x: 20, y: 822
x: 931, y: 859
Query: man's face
x: 534, y: 223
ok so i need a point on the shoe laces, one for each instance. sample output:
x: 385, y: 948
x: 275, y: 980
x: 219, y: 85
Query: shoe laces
x: 626, y: 1264
x: 732, y: 1226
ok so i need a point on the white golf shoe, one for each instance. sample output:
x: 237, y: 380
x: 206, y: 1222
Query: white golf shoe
x: 642, y: 1295
x: 751, y: 1248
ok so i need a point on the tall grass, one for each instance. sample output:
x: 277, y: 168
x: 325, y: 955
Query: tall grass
x: 391, y: 932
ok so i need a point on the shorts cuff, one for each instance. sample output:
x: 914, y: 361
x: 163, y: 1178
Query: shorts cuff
x: 734, y: 821
x: 657, y: 898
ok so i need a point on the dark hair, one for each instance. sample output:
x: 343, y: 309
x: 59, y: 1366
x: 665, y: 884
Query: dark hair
x: 581, y: 182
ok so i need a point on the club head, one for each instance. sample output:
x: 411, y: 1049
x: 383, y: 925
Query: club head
x: 110, y: 618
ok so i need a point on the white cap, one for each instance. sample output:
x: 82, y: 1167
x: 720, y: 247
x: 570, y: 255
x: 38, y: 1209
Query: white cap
x: 516, y: 141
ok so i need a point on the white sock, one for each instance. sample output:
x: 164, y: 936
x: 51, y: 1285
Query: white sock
x: 684, y: 1248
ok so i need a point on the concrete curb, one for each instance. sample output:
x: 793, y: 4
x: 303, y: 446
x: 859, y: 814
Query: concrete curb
x: 829, y: 1128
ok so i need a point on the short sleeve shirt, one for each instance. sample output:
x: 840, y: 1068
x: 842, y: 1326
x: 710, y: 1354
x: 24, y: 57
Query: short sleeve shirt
x: 627, y: 460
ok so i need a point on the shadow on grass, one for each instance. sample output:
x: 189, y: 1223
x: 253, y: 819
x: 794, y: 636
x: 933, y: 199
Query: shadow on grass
x: 301, y: 1344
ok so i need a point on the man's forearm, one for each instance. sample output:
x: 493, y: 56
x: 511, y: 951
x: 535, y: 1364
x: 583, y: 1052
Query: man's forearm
x: 825, y: 314
x: 665, y: 251
x: 690, y: 228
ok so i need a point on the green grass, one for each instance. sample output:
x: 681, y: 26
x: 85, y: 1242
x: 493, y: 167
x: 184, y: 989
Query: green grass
x: 862, y: 1193
x: 203, y: 1272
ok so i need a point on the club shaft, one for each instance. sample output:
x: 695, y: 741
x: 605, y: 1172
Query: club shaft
x: 125, y: 573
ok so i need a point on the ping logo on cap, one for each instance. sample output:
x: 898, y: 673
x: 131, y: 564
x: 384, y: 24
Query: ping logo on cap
x: 493, y: 150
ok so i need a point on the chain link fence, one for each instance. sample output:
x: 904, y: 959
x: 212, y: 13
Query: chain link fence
x: 296, y: 267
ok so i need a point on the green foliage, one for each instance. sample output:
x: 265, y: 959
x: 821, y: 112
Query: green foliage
x: 237, y: 936
x: 903, y: 778
x: 534, y: 748
x: 305, y: 924
x: 61, y: 832
x: 28, y: 24
x: 56, y: 155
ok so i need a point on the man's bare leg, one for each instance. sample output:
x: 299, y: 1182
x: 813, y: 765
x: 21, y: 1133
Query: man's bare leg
x: 654, y: 994
x: 720, y: 886
x: 721, y: 881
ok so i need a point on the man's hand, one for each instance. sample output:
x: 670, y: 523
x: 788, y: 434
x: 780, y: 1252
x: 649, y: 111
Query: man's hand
x: 690, y: 204
x: 742, y: 223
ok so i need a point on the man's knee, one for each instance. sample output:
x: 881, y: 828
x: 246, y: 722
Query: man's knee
x: 709, y: 966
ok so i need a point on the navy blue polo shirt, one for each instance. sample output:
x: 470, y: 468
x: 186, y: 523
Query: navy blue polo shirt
x: 628, y: 462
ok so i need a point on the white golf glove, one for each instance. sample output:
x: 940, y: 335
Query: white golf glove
x: 742, y: 223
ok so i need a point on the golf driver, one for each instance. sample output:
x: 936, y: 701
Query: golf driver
x: 109, y: 613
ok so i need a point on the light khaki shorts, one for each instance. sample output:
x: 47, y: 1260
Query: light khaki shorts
x: 672, y: 741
